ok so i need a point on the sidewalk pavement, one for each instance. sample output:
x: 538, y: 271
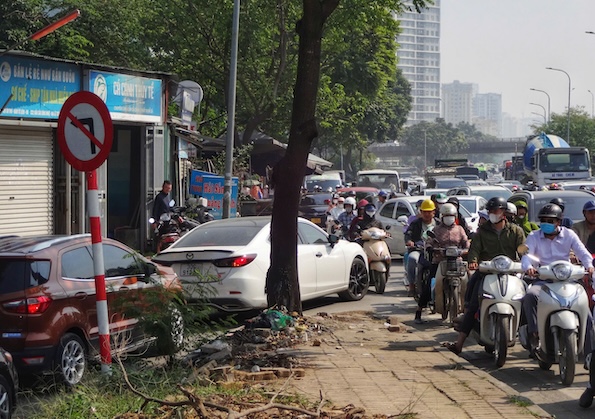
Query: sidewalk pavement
x: 405, y: 374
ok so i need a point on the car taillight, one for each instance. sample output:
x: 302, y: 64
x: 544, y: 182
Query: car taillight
x: 34, y: 305
x: 234, y: 262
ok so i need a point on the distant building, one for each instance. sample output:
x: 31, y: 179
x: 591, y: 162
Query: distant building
x: 419, y: 59
x: 457, y: 102
x: 515, y: 127
x: 487, y: 113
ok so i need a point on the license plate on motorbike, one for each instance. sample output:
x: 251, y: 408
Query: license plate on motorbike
x: 316, y: 220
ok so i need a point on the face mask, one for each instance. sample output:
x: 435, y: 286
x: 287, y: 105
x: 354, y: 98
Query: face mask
x: 547, y: 228
x: 370, y: 213
x: 494, y: 218
x: 448, y: 220
x: 521, y: 217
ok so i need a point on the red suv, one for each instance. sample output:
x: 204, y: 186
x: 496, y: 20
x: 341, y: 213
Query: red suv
x: 48, y: 316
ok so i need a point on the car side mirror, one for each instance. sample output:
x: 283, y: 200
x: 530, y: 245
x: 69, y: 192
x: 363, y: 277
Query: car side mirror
x: 333, y: 239
x: 150, y: 269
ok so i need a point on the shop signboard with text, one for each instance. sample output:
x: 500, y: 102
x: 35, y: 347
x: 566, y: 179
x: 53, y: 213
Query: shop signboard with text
x: 211, y: 186
x: 128, y: 97
x: 33, y: 88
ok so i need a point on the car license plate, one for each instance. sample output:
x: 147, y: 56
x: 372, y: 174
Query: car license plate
x: 316, y: 220
x: 200, y: 271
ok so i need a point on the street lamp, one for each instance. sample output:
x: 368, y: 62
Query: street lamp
x: 542, y: 107
x: 540, y: 114
x: 569, y: 90
x: 592, y: 102
x: 548, y: 102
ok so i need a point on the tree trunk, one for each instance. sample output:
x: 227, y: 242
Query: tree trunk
x: 282, y: 286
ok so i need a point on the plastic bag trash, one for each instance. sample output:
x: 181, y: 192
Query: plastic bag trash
x: 278, y: 320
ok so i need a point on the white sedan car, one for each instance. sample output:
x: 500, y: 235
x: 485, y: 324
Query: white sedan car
x: 232, y: 257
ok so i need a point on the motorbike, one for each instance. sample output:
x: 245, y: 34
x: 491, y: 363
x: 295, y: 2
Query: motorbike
x: 451, y: 282
x: 197, y: 209
x: 499, y: 306
x: 562, y: 314
x: 171, y: 226
x: 422, y: 272
x: 375, y: 247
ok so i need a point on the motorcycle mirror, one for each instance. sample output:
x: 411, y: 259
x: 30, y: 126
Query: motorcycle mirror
x: 172, y: 203
x: 387, y: 227
x: 402, y: 219
x: 431, y: 234
x: 522, y: 249
x: 151, y: 220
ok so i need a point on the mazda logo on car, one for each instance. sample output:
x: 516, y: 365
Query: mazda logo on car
x: 189, y: 256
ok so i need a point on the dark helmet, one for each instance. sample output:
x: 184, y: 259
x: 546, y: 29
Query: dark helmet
x: 453, y: 200
x: 550, y: 211
x: 559, y: 202
x: 496, y: 202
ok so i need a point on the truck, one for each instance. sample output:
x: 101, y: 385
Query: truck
x: 513, y: 169
x: 548, y: 159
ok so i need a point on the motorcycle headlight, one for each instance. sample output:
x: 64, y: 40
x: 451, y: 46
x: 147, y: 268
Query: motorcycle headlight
x: 562, y: 271
x: 451, y: 252
x: 502, y: 263
x: 375, y: 236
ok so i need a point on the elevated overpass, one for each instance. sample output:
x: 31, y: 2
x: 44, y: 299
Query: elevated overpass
x: 502, y: 145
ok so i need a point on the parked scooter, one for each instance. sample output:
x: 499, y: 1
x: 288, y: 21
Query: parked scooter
x: 500, y: 306
x: 198, y: 210
x: 378, y: 256
x: 562, y: 314
x: 451, y: 282
x: 171, y: 226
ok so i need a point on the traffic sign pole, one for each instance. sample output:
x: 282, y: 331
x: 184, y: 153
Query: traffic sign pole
x: 99, y: 271
x: 85, y: 136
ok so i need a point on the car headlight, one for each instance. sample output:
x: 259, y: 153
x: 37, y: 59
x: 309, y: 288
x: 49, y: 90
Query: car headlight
x: 502, y: 263
x: 562, y: 271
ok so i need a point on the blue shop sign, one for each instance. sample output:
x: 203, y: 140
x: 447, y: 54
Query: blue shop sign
x: 210, y: 186
x: 38, y: 87
x: 128, y: 98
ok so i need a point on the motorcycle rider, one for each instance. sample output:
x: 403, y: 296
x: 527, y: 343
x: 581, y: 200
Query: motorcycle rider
x: 367, y: 220
x: 494, y: 238
x: 346, y: 217
x: 521, y: 218
x: 161, y: 203
x: 460, y: 220
x: 510, y: 212
x: 550, y: 243
x: 446, y: 233
x: 416, y: 232
x: 586, y: 228
x: 381, y: 198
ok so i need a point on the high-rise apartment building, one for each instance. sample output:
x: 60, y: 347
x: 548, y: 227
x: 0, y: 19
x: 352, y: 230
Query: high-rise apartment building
x: 457, y: 102
x: 419, y: 59
x: 487, y: 113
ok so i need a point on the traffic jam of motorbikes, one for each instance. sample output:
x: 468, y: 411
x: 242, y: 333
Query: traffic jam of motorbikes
x: 509, y: 279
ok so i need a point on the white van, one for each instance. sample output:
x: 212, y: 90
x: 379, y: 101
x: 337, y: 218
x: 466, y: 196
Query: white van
x: 328, y: 182
x: 379, y: 178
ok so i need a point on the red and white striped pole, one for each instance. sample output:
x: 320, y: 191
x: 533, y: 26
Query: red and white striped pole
x: 99, y: 271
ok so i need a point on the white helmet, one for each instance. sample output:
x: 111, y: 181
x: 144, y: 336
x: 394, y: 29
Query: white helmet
x: 511, y: 208
x: 349, y: 201
x: 448, y: 209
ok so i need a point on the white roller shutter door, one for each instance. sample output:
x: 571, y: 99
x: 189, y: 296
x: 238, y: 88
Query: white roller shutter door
x: 26, y: 180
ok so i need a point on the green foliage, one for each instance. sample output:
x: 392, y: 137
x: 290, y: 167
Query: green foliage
x: 440, y: 140
x: 582, y: 127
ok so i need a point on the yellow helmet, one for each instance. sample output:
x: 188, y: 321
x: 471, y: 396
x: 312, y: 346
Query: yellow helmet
x: 427, y: 205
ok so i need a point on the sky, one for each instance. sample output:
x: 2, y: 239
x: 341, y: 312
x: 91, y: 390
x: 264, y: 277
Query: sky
x: 504, y: 46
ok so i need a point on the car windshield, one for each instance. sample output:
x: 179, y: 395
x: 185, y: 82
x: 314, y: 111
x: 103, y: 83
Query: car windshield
x: 449, y: 183
x: 219, y: 234
x: 470, y: 205
x: 377, y: 180
x: 491, y: 193
x: 564, y: 162
x: 573, y: 206
x: 318, y: 199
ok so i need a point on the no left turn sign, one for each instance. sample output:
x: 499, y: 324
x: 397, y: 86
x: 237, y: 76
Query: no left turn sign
x: 85, y: 131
